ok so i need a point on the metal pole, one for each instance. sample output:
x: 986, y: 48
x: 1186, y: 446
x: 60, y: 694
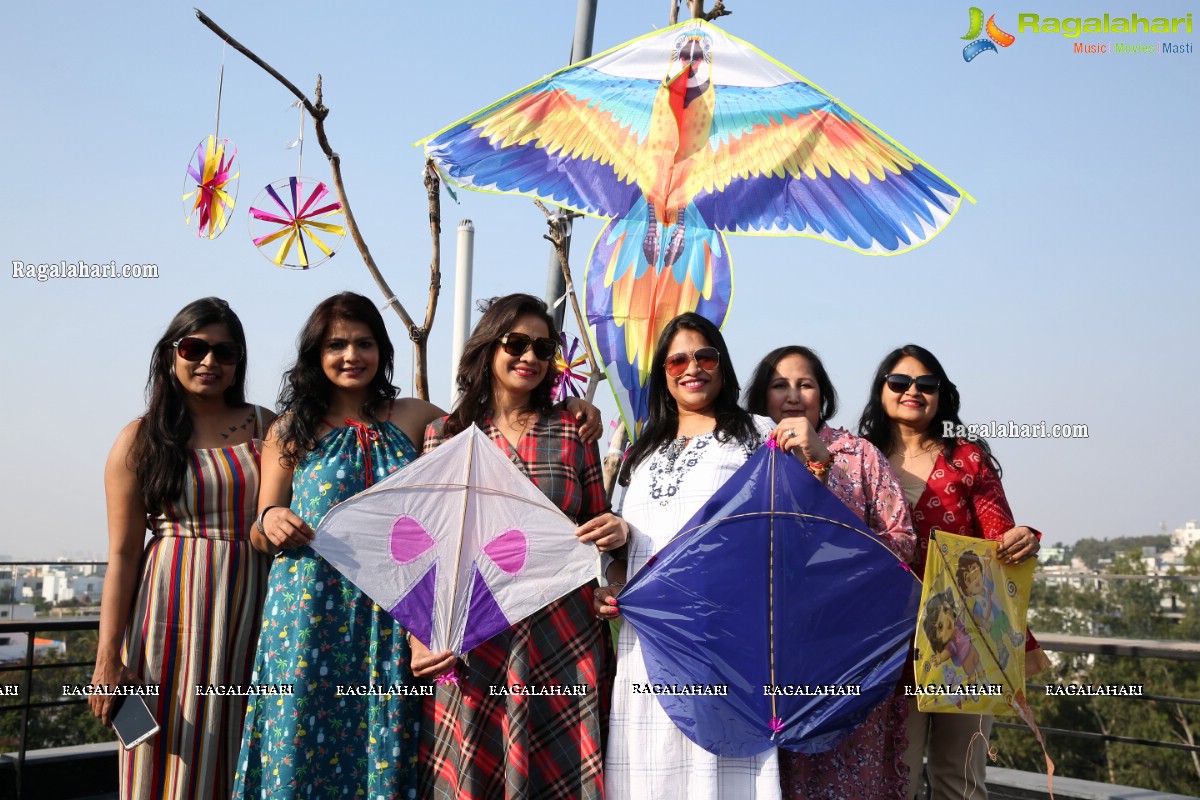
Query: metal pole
x: 581, y: 48
x: 462, y: 300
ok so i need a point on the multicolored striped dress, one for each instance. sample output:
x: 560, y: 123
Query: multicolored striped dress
x: 327, y: 641
x: 195, y: 623
x: 481, y: 744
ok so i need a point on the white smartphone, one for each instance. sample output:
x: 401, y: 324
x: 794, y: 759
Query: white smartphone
x: 132, y: 721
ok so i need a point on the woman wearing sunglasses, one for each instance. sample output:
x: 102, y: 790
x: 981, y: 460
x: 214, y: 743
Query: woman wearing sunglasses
x: 792, y: 387
x: 953, y: 485
x: 475, y: 743
x: 696, y: 437
x: 189, y: 470
x: 341, y: 429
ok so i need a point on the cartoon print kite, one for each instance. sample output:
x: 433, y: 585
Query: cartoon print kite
x: 458, y: 545
x: 678, y: 138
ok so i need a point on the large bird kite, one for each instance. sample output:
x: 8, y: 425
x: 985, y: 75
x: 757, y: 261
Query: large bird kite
x: 679, y: 137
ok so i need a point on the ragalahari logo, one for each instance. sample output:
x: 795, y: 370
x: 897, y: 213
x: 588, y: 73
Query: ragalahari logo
x: 995, y: 36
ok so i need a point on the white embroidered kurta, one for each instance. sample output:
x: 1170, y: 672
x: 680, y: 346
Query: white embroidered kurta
x: 647, y: 756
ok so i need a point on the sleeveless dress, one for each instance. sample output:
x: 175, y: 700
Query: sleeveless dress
x: 319, y: 631
x: 195, y: 622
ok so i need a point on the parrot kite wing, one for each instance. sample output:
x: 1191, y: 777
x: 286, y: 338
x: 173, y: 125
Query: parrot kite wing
x: 457, y: 546
x: 678, y: 137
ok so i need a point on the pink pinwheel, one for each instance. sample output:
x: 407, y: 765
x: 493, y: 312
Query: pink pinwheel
x: 569, y: 358
x: 215, y: 183
x: 295, y: 222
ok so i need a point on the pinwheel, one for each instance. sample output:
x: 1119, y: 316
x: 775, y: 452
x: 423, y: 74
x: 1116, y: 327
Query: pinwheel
x: 678, y: 138
x: 295, y: 219
x: 776, y: 591
x: 457, y: 546
x: 211, y: 186
x: 571, y: 380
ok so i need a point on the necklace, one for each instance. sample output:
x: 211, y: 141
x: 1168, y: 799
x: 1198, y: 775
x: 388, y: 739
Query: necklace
x: 924, y: 451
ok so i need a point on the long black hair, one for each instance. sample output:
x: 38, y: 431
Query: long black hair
x: 160, y: 447
x: 500, y: 315
x: 733, y: 421
x: 760, y: 382
x: 876, y: 428
x: 306, y: 392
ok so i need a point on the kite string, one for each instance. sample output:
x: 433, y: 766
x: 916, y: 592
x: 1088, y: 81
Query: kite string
x: 300, y: 157
x: 220, y: 89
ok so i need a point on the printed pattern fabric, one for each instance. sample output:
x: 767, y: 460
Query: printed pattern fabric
x: 319, y: 632
x: 964, y: 496
x: 478, y: 738
x: 195, y: 621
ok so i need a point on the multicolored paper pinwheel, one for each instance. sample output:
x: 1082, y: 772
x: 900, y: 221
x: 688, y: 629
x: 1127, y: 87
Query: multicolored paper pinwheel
x: 213, y: 182
x: 768, y: 590
x: 678, y: 138
x: 295, y: 222
x: 571, y: 379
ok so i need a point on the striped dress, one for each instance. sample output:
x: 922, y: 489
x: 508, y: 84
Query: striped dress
x: 195, y: 622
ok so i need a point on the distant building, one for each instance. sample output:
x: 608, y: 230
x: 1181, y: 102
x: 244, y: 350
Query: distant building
x: 15, y: 646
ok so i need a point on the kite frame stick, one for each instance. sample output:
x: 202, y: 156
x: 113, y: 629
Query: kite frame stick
x: 771, y: 593
x: 462, y: 526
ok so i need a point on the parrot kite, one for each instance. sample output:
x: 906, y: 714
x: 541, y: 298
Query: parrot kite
x: 679, y: 137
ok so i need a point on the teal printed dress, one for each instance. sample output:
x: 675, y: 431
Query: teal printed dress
x: 320, y: 632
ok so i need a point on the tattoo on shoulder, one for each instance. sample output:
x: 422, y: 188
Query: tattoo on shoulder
x: 235, y: 428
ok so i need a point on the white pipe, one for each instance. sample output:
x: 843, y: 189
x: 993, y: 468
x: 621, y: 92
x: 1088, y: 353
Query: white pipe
x: 462, y: 300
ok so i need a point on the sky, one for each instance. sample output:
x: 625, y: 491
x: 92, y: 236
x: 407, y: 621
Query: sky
x: 1068, y: 293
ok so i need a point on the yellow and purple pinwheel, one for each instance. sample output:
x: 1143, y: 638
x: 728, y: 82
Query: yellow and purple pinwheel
x: 210, y: 186
x: 293, y: 220
x: 679, y: 137
x: 569, y: 360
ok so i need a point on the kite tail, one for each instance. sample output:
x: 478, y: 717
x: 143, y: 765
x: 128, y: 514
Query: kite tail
x: 629, y: 301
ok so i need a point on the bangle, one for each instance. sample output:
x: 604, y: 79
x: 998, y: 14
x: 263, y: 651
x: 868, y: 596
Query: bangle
x: 819, y: 469
x: 262, y: 515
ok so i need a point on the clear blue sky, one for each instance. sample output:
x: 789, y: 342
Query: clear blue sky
x: 1067, y: 294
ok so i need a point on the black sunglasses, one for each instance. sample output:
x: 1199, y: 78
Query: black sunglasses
x: 192, y: 349
x: 926, y: 384
x: 515, y: 344
x: 707, y: 359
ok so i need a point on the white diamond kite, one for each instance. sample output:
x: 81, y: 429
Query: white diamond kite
x: 458, y: 545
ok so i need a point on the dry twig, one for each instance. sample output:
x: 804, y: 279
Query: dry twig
x: 319, y: 112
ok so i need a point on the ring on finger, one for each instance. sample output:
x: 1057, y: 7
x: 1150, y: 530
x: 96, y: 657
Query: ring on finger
x: 791, y: 432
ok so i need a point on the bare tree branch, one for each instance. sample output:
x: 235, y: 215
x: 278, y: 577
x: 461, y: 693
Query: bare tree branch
x: 558, y: 238
x: 319, y: 112
x: 698, y: 12
x: 718, y: 11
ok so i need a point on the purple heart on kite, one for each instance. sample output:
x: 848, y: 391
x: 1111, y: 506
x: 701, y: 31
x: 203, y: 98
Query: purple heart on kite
x: 409, y: 540
x: 508, y: 550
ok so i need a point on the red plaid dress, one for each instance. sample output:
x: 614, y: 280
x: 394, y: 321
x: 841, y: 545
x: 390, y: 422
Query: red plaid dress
x: 478, y: 745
